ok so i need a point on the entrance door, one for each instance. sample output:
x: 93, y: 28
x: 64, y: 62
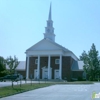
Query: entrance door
x: 45, y: 73
x: 56, y: 74
x: 35, y: 74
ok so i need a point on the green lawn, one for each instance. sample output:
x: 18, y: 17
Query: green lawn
x: 8, y: 90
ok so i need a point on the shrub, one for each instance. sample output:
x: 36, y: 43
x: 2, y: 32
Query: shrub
x: 80, y: 79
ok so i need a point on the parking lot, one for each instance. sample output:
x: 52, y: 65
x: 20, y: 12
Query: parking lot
x: 58, y: 92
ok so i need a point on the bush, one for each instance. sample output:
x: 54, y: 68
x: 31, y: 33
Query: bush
x: 80, y: 79
x: 74, y: 79
x: 84, y: 79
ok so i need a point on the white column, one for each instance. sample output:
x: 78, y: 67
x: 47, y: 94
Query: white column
x: 60, y: 67
x: 27, y: 68
x: 49, y: 70
x: 38, y: 67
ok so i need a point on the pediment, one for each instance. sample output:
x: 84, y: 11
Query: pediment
x: 44, y: 45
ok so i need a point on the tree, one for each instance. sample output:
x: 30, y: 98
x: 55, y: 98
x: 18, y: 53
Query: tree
x: 91, y: 62
x: 2, y: 66
x: 12, y: 64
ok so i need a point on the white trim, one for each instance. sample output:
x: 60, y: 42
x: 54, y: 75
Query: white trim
x: 36, y: 61
x: 60, y: 67
x: 38, y: 67
x: 49, y: 67
x: 57, y: 61
x: 71, y: 54
x: 46, y: 69
x: 45, y: 52
x: 35, y: 74
x: 55, y: 73
x: 27, y: 71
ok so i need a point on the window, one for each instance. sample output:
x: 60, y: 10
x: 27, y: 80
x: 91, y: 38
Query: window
x: 36, y: 61
x: 56, y: 61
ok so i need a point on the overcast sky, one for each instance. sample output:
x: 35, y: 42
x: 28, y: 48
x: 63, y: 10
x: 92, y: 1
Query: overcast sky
x: 23, y: 22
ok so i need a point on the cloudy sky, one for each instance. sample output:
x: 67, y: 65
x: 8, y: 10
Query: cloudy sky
x: 23, y: 22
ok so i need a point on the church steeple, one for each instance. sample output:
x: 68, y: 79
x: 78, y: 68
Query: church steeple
x: 49, y: 30
x: 49, y: 17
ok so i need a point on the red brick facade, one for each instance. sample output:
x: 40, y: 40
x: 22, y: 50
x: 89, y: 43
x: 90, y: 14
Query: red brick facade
x: 66, y: 66
x: 77, y: 74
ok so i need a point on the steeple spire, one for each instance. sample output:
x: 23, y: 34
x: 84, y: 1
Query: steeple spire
x: 49, y: 30
x: 49, y: 17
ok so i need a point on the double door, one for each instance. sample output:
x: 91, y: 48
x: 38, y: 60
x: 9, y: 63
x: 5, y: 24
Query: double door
x: 57, y: 74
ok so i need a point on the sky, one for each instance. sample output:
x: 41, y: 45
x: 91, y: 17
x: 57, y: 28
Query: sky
x: 23, y: 22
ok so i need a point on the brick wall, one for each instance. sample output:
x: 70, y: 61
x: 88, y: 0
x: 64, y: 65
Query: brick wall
x: 76, y: 74
x: 43, y: 62
x: 66, y: 66
x: 32, y: 66
x: 53, y: 65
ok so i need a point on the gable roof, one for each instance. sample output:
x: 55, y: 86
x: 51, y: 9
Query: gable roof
x: 21, y: 66
x: 54, y: 44
x: 77, y: 65
x: 44, y: 45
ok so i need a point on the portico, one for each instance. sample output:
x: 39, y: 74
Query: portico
x: 46, y: 70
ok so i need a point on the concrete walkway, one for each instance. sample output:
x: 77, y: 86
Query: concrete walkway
x: 58, y: 92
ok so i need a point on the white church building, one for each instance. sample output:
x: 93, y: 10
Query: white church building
x: 49, y: 60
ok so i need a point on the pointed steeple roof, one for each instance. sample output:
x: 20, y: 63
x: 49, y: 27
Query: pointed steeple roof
x: 49, y: 17
x: 49, y: 30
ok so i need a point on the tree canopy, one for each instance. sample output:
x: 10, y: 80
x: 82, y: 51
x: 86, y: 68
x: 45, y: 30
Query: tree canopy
x: 2, y: 66
x: 12, y: 64
x: 91, y: 62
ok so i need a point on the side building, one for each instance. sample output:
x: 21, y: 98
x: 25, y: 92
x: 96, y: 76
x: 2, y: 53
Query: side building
x: 20, y: 69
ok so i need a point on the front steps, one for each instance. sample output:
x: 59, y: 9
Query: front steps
x: 50, y: 80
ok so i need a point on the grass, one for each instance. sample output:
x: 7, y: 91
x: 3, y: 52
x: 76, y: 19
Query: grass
x: 8, y: 90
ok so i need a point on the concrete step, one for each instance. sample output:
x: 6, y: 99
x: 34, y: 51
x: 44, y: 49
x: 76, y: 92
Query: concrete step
x: 52, y: 80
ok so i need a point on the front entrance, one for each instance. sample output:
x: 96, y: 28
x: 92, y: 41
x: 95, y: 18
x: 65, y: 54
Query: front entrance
x: 45, y: 73
x: 35, y: 74
x: 56, y: 74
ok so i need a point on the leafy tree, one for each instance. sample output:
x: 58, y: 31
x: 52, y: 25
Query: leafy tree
x: 91, y: 63
x: 2, y: 66
x: 12, y: 64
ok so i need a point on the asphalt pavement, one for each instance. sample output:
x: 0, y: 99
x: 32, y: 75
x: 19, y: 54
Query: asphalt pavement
x: 59, y: 92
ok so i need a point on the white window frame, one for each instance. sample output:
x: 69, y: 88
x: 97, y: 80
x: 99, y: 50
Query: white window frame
x: 57, y: 61
x: 36, y: 61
